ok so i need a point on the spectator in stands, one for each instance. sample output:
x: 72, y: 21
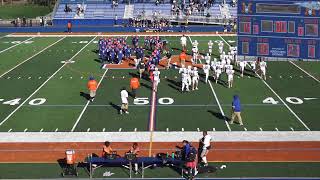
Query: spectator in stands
x: 233, y: 3
x: 115, y: 3
x: 67, y: 9
x: 106, y: 149
x: 116, y: 19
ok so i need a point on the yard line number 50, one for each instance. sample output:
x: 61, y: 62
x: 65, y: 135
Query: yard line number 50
x: 33, y: 102
x: 145, y: 101
x: 291, y: 100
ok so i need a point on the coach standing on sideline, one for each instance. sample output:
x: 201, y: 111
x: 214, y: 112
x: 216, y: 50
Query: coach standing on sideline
x: 134, y: 85
x: 69, y: 27
x: 92, y: 86
x: 236, y: 110
x: 206, y: 146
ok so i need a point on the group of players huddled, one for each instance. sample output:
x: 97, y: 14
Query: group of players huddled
x: 114, y: 50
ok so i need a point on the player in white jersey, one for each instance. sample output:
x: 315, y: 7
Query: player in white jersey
x: 220, y: 47
x: 184, y: 80
x: 263, y: 68
x: 124, y: 101
x: 223, y: 64
x: 182, y: 69
x: 228, y: 61
x: 218, y: 72
x: 242, y: 66
x: 222, y: 55
x: 229, y: 67
x: 194, y: 55
x: 195, y: 78
x: 206, y: 68
x: 253, y: 66
x: 195, y: 44
x: 207, y: 58
x: 210, y: 45
x: 230, y: 77
x: 183, y: 41
x: 213, y: 66
x: 156, y: 79
x: 189, y: 72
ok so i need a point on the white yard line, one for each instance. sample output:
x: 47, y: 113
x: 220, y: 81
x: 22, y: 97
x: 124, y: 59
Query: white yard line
x: 294, y: 114
x: 5, y: 35
x: 221, y: 110
x: 305, y: 71
x: 31, y: 57
x: 16, y: 45
x: 217, y: 100
x: 87, y: 104
x: 43, y: 84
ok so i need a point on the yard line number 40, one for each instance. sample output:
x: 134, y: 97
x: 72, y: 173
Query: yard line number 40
x: 33, y: 102
x: 291, y: 100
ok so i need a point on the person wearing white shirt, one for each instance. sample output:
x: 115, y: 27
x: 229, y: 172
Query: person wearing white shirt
x: 156, y: 79
x: 185, y: 84
x: 206, y: 146
x: 263, y: 67
x: 242, y: 66
x: 183, y: 41
x: 210, y: 44
x: 124, y: 100
x: 206, y: 68
x: 230, y: 73
x: 195, y: 78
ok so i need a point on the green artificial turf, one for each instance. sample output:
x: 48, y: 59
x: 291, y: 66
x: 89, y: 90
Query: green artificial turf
x: 233, y: 169
x: 65, y: 108
x: 20, y: 11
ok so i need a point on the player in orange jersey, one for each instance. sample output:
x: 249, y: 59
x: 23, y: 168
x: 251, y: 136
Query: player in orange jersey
x: 92, y: 87
x: 134, y: 85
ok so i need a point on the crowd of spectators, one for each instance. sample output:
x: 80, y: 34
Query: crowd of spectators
x: 157, y: 23
x: 193, y: 7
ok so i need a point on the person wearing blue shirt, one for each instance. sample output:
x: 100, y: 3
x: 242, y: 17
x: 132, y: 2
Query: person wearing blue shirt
x: 236, y: 110
x: 185, y: 149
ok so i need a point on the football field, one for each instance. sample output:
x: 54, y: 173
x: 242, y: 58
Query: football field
x: 41, y: 91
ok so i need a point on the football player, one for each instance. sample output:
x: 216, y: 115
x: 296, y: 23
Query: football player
x: 156, y: 79
x: 210, y: 44
x: 195, y: 78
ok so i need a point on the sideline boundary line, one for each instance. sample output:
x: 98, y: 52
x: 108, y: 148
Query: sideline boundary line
x: 284, y: 103
x: 216, y: 97
x: 304, y: 71
x: 160, y: 136
x: 87, y: 104
x: 43, y: 84
x: 31, y: 57
x: 5, y: 35
x: 16, y: 44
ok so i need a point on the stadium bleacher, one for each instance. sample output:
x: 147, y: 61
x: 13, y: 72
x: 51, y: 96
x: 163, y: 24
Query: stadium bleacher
x: 102, y: 12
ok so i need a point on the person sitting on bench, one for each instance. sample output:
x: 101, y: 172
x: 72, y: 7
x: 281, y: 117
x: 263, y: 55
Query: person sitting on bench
x: 106, y: 149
